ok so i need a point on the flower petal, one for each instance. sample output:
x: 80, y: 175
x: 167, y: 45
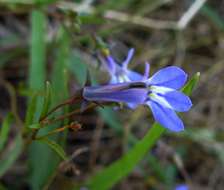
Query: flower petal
x: 111, y: 65
x: 166, y: 117
x: 146, y: 73
x: 172, y: 77
x: 115, y: 93
x: 129, y: 57
x: 160, y: 100
x: 178, y: 101
x: 134, y: 76
x: 181, y: 187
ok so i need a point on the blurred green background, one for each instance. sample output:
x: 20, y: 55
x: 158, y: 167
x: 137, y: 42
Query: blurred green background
x: 61, y: 40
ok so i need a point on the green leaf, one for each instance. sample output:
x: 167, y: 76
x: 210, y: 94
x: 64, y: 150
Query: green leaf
x: 47, y: 100
x: 4, y: 130
x: 37, y: 75
x: 56, y: 147
x: 59, y: 93
x: 48, y: 159
x: 61, y: 63
x: 190, y: 86
x: 122, y: 167
x: 35, y: 126
x: 11, y: 155
x: 37, y: 72
x: 31, y: 110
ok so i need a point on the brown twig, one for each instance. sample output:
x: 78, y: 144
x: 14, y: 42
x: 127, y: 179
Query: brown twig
x: 58, y: 130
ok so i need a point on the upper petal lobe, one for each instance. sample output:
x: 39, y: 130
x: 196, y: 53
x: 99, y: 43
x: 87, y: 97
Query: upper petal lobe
x: 171, y: 77
x: 134, y: 76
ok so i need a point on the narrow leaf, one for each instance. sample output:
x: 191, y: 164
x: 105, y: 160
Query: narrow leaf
x: 35, y: 126
x: 56, y: 147
x: 59, y: 93
x: 31, y: 110
x: 47, y: 100
x: 62, y: 59
x: 37, y: 75
x: 10, y: 157
x: 4, y: 130
x: 191, y: 85
x: 37, y: 70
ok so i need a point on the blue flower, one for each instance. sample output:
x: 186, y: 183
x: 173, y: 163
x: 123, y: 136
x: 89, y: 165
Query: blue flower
x: 181, y: 187
x: 121, y: 73
x: 129, y: 93
x: 164, y: 98
x: 160, y: 92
